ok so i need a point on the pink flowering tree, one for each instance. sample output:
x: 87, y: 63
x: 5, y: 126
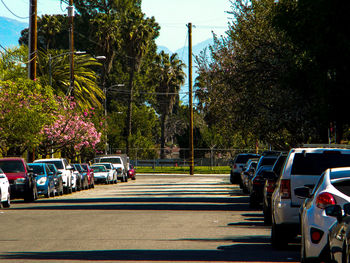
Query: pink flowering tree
x: 71, y: 133
x: 25, y: 107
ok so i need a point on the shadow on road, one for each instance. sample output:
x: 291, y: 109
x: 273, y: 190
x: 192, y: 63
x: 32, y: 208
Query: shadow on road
x: 234, y: 253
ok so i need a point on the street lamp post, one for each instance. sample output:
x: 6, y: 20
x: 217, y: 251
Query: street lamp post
x: 105, y: 90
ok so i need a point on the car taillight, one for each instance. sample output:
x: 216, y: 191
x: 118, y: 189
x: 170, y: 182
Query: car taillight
x: 270, y: 186
x: 316, y: 235
x: 324, y: 199
x: 285, y: 189
x: 258, y: 180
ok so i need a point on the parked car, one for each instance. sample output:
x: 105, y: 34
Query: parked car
x: 5, y: 191
x: 332, y: 188
x: 100, y: 173
x: 120, y: 162
x: 256, y: 186
x: 247, y: 173
x: 339, y: 233
x: 21, y: 178
x: 66, y: 169
x: 303, y: 167
x: 44, y: 179
x: 237, y: 166
x: 83, y: 183
x: 90, y: 174
x: 112, y: 173
x: 270, y: 184
x: 132, y: 172
x: 57, y: 176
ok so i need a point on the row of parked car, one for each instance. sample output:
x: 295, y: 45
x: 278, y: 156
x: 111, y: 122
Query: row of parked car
x: 55, y: 176
x: 306, y: 193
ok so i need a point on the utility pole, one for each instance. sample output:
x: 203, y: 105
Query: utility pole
x: 190, y: 96
x: 32, y: 39
x: 71, y: 47
x: 32, y: 54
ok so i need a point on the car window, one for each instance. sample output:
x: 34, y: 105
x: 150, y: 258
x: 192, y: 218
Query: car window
x: 115, y: 160
x: 12, y: 166
x: 108, y: 165
x: 316, y: 163
x: 244, y: 158
x: 99, y: 168
x: 37, y: 169
x: 58, y: 164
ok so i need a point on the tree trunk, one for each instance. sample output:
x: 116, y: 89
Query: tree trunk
x: 129, y: 113
x: 162, y: 136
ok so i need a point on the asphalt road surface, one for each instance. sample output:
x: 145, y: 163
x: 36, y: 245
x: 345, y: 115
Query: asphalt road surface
x: 156, y: 218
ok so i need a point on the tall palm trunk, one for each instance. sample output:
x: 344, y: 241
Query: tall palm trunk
x: 164, y: 118
x: 129, y: 113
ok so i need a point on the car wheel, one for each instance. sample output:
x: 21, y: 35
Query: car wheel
x: 30, y: 196
x: 133, y: 178
x: 267, y: 215
x: 48, y: 194
x: 253, y: 202
x: 278, y: 237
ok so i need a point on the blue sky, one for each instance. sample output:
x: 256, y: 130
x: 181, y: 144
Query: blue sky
x: 172, y: 15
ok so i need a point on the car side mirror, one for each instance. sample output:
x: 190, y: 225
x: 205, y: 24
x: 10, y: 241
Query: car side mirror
x: 335, y: 211
x: 302, y: 192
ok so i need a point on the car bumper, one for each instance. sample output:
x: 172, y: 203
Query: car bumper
x: 18, y: 190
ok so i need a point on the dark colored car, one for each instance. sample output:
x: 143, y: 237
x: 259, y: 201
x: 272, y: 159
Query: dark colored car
x: 270, y: 184
x: 21, y: 178
x: 247, y: 174
x: 256, y: 186
x: 238, y: 164
x: 45, y: 183
x: 339, y: 233
x: 90, y: 174
x: 82, y: 180
x: 57, y: 176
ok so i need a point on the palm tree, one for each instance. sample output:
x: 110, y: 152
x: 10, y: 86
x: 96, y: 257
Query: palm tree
x: 170, y: 77
x: 138, y: 33
x: 55, y: 72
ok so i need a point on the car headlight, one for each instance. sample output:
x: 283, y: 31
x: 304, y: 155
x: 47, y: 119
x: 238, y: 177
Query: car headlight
x: 41, y: 181
x: 20, y: 180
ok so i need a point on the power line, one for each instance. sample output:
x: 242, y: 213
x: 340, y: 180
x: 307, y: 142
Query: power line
x: 21, y: 17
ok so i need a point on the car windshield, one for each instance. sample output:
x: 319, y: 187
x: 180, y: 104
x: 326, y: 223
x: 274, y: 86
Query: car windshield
x: 244, y: 158
x: 268, y: 161
x: 37, y: 169
x: 12, y: 166
x: 52, y: 167
x: 84, y: 166
x: 99, y: 168
x: 115, y: 160
x: 108, y: 165
x: 317, y: 163
x: 78, y: 167
x: 58, y: 164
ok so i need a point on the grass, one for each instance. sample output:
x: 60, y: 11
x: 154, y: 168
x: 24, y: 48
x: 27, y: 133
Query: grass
x: 185, y: 170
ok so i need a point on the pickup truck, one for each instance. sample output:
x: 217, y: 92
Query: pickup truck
x: 21, y: 178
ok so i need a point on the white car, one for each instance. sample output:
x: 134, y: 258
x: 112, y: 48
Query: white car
x: 112, y: 172
x: 101, y: 173
x: 119, y: 163
x: 303, y: 167
x: 4, y: 190
x: 332, y: 188
x: 67, y: 172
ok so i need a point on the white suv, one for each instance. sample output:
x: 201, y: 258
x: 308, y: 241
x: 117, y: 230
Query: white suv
x: 4, y: 190
x: 63, y: 166
x: 303, y: 167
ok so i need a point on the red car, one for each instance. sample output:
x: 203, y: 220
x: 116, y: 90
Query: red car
x: 90, y: 174
x: 132, y: 172
x: 21, y: 178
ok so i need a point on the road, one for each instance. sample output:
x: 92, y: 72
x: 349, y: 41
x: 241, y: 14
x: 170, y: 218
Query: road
x: 156, y: 218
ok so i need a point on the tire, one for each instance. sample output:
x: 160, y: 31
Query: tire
x: 48, y: 194
x: 267, y: 215
x: 30, y: 196
x: 253, y: 203
x: 278, y: 237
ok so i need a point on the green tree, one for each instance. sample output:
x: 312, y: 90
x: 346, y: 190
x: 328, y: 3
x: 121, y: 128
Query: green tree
x: 169, y: 77
x: 85, y: 91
